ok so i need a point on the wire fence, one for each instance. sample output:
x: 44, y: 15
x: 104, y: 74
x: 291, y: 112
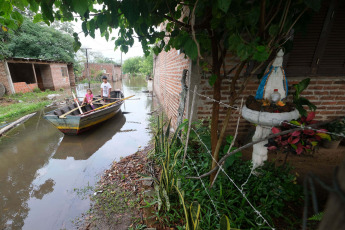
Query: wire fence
x: 274, y: 121
x: 260, y: 216
x: 260, y: 220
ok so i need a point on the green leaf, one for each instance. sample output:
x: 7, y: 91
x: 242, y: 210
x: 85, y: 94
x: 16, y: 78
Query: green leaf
x: 302, y: 85
x: 224, y: 223
x: 92, y: 27
x: 191, y: 49
x: 195, y: 214
x: 260, y: 54
x: 212, y: 79
x: 295, y: 123
x: 37, y: 18
x: 17, y: 16
x: 273, y: 30
x: 234, y: 41
x: 224, y: 5
x: 80, y: 6
x: 317, y: 217
x: 229, y: 139
x: 21, y: 4
x: 324, y: 136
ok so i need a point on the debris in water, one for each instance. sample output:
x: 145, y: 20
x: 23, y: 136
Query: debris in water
x: 127, y: 130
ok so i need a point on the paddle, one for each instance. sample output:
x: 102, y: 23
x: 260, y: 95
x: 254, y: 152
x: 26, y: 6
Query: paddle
x: 72, y: 110
x: 111, y: 103
x: 76, y: 101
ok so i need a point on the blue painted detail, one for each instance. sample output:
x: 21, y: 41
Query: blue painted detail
x: 260, y: 92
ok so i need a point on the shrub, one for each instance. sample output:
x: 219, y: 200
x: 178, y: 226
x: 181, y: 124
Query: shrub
x: 269, y: 190
x: 37, y: 90
x: 302, y: 141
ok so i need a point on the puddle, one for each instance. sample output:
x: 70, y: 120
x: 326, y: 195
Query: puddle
x: 43, y: 172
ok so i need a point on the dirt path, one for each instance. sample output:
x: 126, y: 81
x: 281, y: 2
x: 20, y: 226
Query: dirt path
x: 117, y: 200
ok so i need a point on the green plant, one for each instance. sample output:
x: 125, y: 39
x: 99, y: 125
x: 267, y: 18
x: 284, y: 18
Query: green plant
x: 337, y: 127
x: 302, y: 141
x: 317, y: 217
x: 301, y: 101
x: 37, y: 90
x: 167, y: 160
x: 269, y: 191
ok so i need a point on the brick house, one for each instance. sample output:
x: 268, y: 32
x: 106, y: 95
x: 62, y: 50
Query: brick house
x: 25, y: 74
x: 318, y: 54
x: 112, y: 71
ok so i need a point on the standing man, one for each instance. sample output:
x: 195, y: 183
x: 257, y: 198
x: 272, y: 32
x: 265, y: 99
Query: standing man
x: 105, y: 88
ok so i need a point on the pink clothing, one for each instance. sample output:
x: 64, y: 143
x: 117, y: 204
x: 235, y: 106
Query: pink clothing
x: 89, y: 98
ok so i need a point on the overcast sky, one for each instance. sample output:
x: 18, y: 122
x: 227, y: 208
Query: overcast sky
x: 99, y: 44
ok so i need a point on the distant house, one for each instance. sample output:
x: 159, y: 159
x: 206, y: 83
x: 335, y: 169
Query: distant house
x: 112, y: 71
x: 25, y: 74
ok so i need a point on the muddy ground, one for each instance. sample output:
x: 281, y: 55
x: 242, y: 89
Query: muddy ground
x: 119, y: 198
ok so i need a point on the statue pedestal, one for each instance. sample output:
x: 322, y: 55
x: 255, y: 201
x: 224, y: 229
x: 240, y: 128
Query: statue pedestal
x: 265, y: 121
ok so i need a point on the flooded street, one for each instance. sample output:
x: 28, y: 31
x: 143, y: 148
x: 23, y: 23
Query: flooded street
x: 45, y: 176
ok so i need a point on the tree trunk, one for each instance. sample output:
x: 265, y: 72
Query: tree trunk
x: 225, y: 123
x: 217, y: 96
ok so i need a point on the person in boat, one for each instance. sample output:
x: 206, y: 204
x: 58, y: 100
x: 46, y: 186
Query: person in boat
x: 105, y: 88
x: 88, y: 98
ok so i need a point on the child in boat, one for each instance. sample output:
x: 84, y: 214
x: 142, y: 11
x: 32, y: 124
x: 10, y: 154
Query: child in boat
x: 105, y: 88
x: 88, y: 98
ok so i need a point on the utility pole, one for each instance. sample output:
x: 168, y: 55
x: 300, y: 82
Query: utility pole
x: 121, y: 67
x: 87, y: 66
x: 112, y: 71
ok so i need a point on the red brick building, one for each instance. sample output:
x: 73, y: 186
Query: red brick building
x: 112, y: 71
x: 318, y: 54
x: 25, y: 74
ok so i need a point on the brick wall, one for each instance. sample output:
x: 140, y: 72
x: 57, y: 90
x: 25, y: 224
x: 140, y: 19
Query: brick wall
x: 3, y: 77
x: 168, y: 67
x: 23, y: 87
x: 117, y: 73
x: 46, y: 75
x: 71, y: 75
x: 59, y: 81
x: 327, y: 93
x: 110, y: 70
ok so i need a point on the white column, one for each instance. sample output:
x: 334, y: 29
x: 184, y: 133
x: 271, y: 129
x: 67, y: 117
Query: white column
x: 259, y: 149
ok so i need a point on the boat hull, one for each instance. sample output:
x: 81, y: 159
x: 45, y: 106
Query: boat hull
x: 75, y: 125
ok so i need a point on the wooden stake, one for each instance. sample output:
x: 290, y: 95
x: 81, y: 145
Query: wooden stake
x: 189, y: 125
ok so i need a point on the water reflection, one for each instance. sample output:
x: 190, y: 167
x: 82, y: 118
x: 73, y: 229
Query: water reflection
x: 40, y: 167
x: 83, y: 146
x: 18, y: 168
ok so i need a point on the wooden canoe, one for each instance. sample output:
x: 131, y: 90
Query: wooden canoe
x: 75, y: 123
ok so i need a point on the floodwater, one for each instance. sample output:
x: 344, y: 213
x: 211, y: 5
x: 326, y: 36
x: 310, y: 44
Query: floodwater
x: 43, y: 173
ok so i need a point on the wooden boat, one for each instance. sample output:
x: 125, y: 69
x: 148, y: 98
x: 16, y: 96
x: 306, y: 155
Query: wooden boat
x: 70, y: 121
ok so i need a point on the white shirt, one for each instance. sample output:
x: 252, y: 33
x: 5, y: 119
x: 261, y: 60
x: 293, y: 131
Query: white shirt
x: 105, y: 87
